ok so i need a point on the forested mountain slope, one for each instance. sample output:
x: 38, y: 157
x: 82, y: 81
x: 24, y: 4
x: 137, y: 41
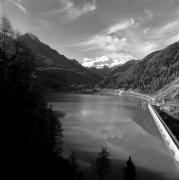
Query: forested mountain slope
x: 55, y: 70
x: 119, y: 71
x: 101, y: 71
x: 151, y: 74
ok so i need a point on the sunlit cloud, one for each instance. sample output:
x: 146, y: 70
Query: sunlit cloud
x: 120, y: 58
x: 171, y: 26
x: 149, y: 47
x: 90, y: 62
x: 74, y: 10
x: 146, y: 30
x: 117, y: 43
x: 148, y: 14
x: 106, y: 40
x: 107, y: 43
x: 165, y: 34
x: 173, y: 39
x: 109, y: 60
x: 120, y: 26
x: 120, y: 43
x: 18, y: 4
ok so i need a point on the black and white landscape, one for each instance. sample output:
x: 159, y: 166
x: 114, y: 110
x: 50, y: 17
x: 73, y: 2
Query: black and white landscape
x: 89, y: 89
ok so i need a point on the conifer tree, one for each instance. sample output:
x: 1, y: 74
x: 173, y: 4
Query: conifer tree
x: 74, y: 165
x: 102, y: 163
x: 129, y: 170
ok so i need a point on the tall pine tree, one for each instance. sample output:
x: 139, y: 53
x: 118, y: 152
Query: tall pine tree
x: 129, y: 170
x: 102, y: 163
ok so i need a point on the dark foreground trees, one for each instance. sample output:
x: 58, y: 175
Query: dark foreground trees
x: 129, y: 170
x: 31, y: 131
x: 75, y: 169
x: 102, y: 163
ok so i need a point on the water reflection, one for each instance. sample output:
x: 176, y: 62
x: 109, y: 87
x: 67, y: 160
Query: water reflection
x: 118, y: 123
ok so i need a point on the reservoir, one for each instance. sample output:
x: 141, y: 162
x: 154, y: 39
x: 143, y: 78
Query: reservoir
x: 118, y: 123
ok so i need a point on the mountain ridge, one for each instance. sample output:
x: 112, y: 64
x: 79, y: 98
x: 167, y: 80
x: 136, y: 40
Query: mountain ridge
x: 58, y: 68
x: 150, y: 74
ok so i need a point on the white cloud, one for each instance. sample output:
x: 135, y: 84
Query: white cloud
x: 140, y: 48
x: 106, y: 43
x: 106, y: 40
x: 164, y: 35
x: 109, y: 60
x: 18, y: 4
x: 117, y: 48
x: 148, y: 14
x: 173, y: 39
x: 120, y: 58
x: 120, y: 26
x: 113, y: 46
x: 149, y: 47
x: 74, y: 10
x: 171, y: 26
x: 90, y: 62
x: 146, y: 30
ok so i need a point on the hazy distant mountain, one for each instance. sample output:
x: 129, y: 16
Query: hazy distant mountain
x: 152, y: 73
x: 57, y: 70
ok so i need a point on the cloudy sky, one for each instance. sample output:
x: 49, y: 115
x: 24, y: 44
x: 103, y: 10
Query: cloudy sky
x: 98, y: 32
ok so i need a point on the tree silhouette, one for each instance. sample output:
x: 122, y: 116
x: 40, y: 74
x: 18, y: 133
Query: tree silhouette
x: 24, y: 111
x: 129, y: 170
x: 7, y: 33
x: 74, y: 165
x: 58, y: 140
x: 102, y: 163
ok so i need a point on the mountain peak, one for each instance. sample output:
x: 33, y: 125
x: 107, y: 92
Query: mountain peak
x: 31, y: 36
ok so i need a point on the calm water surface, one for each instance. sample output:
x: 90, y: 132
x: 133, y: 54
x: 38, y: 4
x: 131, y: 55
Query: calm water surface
x: 120, y: 124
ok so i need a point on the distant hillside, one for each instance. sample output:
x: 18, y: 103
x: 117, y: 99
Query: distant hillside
x: 111, y: 79
x: 55, y: 69
x: 149, y: 75
x: 101, y: 71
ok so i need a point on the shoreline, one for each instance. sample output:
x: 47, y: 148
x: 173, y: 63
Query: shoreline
x: 167, y: 135
x: 119, y: 92
x: 111, y: 92
x: 138, y: 95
